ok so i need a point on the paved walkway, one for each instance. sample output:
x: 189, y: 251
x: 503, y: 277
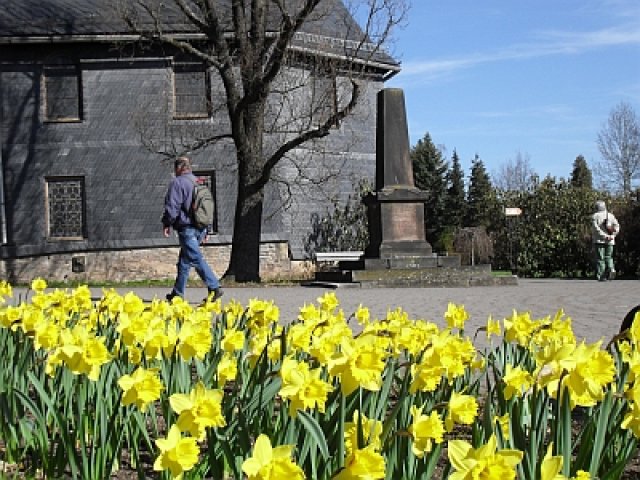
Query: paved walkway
x: 596, y: 308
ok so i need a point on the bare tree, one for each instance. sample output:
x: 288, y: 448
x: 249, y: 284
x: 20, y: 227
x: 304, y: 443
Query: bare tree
x: 263, y: 61
x: 619, y: 145
x: 515, y: 175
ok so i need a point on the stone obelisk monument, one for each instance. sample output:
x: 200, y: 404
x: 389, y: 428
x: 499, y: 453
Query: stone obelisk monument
x: 398, y: 254
x: 396, y: 208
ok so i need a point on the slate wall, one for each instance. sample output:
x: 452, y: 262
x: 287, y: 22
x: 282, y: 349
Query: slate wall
x: 124, y: 182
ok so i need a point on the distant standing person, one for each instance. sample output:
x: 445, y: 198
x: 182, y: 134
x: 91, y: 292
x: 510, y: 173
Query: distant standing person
x: 604, y: 228
x: 177, y: 207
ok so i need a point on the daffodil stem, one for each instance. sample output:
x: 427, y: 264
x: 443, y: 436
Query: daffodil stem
x: 340, y: 440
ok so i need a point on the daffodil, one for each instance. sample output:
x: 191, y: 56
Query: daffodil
x: 461, y: 409
x: 227, y: 369
x: 582, y: 475
x: 142, y: 387
x: 493, y: 327
x: 456, y: 316
x: 631, y: 419
x: 363, y: 464
x: 302, y: 386
x: 362, y: 315
x: 268, y: 463
x: 233, y: 340
x: 262, y: 313
x: 194, y: 340
x: 517, y: 381
x: 328, y: 302
x: 551, y: 466
x: 38, y: 284
x: 177, y: 454
x: 358, y: 364
x: 519, y: 327
x: 5, y: 290
x: 198, y: 410
x: 503, y: 422
x: 485, y: 462
x: 425, y: 430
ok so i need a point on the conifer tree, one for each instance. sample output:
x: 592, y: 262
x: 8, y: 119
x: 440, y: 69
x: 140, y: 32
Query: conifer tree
x: 429, y: 174
x: 480, y: 197
x: 581, y: 174
x: 455, y: 206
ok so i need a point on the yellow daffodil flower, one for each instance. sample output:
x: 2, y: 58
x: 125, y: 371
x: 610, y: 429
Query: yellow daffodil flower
x: 233, y: 340
x: 363, y: 464
x: 142, y: 387
x: 551, y: 466
x: 631, y: 419
x: 227, y: 369
x: 198, y: 410
x: 456, y: 316
x: 177, y: 454
x: 268, y: 463
x: 493, y: 327
x: 461, y: 409
x: 358, y: 364
x: 5, y: 290
x: 38, y: 285
x: 517, y: 382
x: 426, y: 430
x: 485, y: 462
x: 302, y: 386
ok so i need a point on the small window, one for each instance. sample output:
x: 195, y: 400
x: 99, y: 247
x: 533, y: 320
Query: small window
x: 65, y: 208
x: 62, y: 93
x: 209, y: 179
x: 191, y: 91
x: 324, y: 100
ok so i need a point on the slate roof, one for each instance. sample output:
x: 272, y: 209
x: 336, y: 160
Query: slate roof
x: 64, y: 20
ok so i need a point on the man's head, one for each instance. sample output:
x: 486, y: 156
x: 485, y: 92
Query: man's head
x: 601, y: 206
x: 182, y: 165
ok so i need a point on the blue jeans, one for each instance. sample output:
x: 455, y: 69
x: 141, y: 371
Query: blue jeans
x: 191, y: 256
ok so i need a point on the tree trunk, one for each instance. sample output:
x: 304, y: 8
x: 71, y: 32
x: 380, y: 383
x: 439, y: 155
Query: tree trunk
x: 247, y: 229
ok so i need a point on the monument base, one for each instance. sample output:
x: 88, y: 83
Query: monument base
x: 433, y: 271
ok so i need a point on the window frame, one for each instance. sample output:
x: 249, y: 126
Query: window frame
x: 61, y: 70
x: 184, y: 67
x: 83, y: 208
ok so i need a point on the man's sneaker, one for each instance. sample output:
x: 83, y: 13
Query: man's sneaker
x: 214, y: 295
x: 612, y: 275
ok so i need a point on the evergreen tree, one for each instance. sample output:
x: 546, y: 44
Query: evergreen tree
x: 429, y: 174
x: 581, y: 174
x: 480, y: 197
x: 455, y: 202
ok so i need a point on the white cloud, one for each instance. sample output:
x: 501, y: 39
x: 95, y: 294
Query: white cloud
x: 550, y: 43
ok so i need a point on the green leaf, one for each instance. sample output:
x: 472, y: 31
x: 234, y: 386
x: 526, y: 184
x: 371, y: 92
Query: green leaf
x: 317, y: 435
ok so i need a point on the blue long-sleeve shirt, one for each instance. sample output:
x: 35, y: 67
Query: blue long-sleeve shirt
x: 177, y: 201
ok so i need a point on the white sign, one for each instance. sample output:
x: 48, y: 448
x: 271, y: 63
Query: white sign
x: 512, y: 211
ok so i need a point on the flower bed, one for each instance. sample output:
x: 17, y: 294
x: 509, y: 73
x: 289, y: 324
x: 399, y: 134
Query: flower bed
x: 95, y: 389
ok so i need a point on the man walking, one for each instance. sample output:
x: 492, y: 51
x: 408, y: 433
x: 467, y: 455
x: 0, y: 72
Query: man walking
x: 177, y: 208
x: 604, y: 228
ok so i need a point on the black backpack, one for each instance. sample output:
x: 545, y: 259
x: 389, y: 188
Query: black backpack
x: 202, y: 206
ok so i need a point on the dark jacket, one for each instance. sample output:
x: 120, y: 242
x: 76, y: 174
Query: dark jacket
x: 177, y: 202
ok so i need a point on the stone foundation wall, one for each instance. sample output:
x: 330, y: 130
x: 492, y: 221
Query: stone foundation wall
x: 145, y: 264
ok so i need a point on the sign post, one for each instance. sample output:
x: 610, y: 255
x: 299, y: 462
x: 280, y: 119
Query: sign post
x: 512, y: 213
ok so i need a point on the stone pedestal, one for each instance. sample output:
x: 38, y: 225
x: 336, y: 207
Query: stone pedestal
x: 396, y: 209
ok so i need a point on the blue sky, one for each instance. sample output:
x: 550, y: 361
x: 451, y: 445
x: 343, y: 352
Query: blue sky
x: 500, y: 78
